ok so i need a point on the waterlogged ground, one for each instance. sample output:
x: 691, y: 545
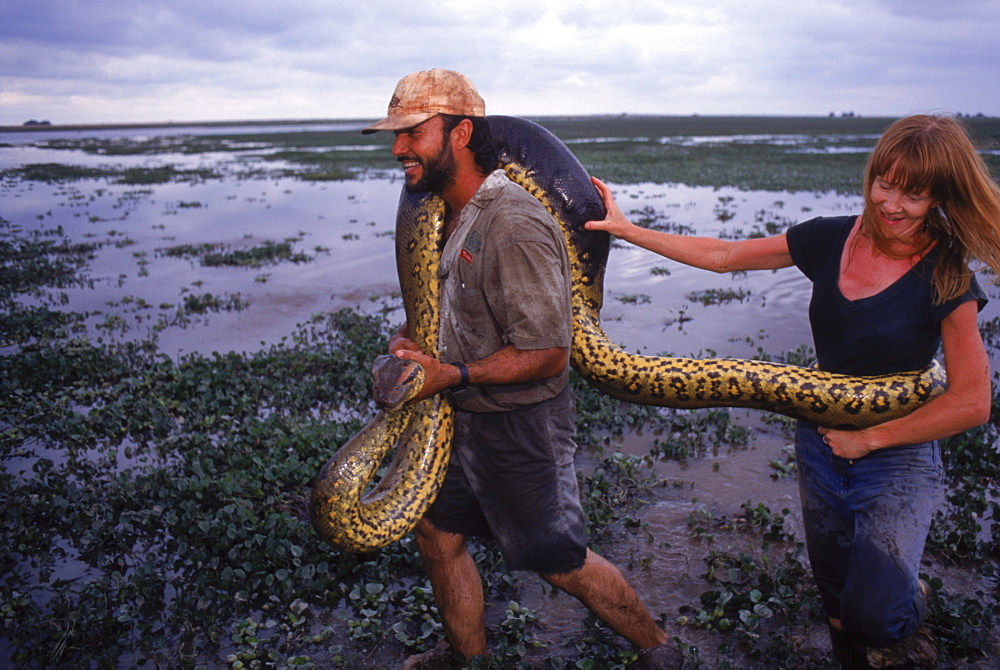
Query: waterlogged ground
x: 158, y: 441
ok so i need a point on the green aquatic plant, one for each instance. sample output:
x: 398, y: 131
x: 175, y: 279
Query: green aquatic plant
x: 267, y: 253
x: 53, y: 173
x: 32, y: 263
x: 651, y: 218
x: 329, y: 175
x: 718, y: 296
x: 601, y: 417
x: 762, y: 587
x: 212, y: 254
x: 56, y: 173
x: 614, y: 492
x: 200, y: 304
x: 690, y: 433
x: 163, y: 175
x: 635, y: 299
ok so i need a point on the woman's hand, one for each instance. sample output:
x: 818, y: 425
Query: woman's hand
x: 614, y: 221
x: 965, y: 404
x: 707, y: 253
x: 849, y: 444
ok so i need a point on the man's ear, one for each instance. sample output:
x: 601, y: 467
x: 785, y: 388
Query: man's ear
x: 461, y: 134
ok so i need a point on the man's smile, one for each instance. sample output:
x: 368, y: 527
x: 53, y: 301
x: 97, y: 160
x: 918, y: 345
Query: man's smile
x: 409, y: 164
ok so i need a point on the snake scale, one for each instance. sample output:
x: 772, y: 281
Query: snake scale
x: 351, y: 517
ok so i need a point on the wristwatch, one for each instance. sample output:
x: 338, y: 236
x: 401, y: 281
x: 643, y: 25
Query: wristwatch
x: 464, y: 372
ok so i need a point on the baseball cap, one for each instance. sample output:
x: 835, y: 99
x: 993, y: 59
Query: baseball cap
x: 421, y: 95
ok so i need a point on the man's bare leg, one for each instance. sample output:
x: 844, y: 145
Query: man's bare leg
x: 458, y: 589
x: 604, y: 590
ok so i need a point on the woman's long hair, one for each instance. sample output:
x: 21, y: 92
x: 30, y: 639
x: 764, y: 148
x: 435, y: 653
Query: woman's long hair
x: 934, y: 154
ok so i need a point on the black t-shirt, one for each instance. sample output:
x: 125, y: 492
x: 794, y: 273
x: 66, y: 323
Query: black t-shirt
x: 896, y: 330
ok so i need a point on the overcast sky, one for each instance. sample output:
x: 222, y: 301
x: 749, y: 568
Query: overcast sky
x: 108, y: 61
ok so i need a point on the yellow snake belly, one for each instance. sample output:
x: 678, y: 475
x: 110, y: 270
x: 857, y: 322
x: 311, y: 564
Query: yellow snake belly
x: 352, y: 519
x: 343, y: 510
x: 824, y: 398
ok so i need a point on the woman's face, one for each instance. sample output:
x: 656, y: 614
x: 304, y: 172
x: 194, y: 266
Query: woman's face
x: 902, y: 212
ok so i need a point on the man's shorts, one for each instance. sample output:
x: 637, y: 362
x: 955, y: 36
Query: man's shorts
x: 512, y: 479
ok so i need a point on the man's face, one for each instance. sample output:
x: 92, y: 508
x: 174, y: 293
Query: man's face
x: 426, y: 155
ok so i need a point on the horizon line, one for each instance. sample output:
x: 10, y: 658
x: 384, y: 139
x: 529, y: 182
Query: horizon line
x: 43, y: 125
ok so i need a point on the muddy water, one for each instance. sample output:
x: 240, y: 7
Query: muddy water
x: 346, y: 227
x: 662, y: 560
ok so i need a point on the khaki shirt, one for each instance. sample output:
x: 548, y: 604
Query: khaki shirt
x: 505, y: 280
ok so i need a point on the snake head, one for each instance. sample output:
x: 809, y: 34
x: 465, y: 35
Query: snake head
x: 396, y: 380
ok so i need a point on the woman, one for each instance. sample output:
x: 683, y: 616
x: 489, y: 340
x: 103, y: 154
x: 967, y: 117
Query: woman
x: 890, y: 287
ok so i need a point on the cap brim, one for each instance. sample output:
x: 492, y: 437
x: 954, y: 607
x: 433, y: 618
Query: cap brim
x: 398, y: 122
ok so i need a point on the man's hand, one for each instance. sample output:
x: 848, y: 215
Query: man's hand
x: 401, y: 343
x: 438, y: 376
x: 396, y: 381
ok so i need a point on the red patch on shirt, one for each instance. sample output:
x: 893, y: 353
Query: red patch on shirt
x: 466, y: 256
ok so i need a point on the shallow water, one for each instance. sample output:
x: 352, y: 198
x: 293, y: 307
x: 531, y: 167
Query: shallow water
x: 352, y: 222
x: 346, y: 227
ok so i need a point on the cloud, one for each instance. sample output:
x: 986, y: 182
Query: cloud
x: 107, y: 61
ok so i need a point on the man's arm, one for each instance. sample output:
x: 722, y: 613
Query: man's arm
x: 505, y: 366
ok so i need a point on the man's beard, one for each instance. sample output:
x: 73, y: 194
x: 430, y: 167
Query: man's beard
x: 438, y: 172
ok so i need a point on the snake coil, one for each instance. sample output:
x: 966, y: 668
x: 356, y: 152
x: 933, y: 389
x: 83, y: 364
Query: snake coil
x: 352, y: 518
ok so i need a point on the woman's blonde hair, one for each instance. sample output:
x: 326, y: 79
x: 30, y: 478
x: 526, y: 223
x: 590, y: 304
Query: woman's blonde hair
x: 934, y: 154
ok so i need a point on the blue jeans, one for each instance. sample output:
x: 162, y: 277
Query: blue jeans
x: 866, y: 523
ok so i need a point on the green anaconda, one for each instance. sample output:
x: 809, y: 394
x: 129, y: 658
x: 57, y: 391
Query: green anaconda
x: 351, y: 518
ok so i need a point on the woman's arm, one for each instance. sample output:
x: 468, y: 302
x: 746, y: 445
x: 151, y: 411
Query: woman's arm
x: 964, y: 405
x: 707, y: 253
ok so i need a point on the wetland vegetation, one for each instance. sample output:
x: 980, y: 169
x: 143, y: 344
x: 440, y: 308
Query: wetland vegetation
x: 155, y: 502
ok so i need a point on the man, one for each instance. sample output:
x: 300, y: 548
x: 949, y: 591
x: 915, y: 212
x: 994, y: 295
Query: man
x: 506, y: 322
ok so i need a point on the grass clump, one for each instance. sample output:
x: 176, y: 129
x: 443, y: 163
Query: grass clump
x: 217, y: 255
x: 56, y: 173
x: 763, y: 589
x: 718, y: 296
x: 163, y: 175
x: 268, y: 253
x: 53, y: 173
